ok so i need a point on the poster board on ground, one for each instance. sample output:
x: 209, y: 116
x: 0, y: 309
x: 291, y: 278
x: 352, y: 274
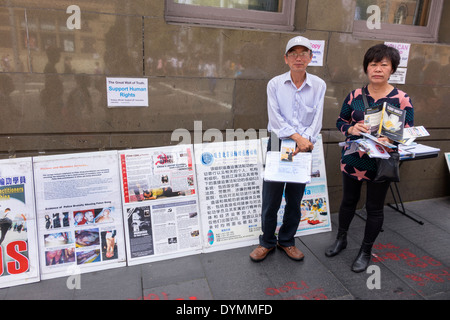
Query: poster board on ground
x: 315, y: 212
x: 230, y: 187
x: 79, y: 213
x: 447, y: 158
x: 160, y: 203
x: 19, y: 263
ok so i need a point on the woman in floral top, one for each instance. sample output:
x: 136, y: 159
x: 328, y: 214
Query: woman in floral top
x: 380, y: 62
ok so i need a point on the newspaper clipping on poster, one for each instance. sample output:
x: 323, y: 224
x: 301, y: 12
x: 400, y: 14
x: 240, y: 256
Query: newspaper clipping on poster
x: 230, y: 187
x: 18, y: 240
x: 315, y: 212
x: 79, y: 213
x: 161, y: 213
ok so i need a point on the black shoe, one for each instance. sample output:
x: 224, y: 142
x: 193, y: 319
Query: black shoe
x: 339, y: 245
x: 363, y: 259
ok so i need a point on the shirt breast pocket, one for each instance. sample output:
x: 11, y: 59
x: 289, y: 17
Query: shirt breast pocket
x: 306, y: 115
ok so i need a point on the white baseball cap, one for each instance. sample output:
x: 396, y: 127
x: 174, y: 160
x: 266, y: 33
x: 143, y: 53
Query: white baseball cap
x: 298, y: 41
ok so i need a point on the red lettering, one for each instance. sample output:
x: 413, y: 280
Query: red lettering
x: 286, y: 288
x: 431, y: 261
x: 151, y: 296
x: 21, y: 263
x: 1, y: 260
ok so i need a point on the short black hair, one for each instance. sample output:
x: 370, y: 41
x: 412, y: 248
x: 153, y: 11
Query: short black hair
x: 379, y: 52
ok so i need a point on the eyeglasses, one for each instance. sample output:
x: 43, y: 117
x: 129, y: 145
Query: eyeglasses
x: 295, y: 55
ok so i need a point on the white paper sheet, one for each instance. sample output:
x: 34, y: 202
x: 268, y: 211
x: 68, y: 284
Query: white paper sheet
x: 297, y: 171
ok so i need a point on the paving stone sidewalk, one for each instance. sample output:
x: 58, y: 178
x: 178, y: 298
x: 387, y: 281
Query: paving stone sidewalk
x: 412, y: 261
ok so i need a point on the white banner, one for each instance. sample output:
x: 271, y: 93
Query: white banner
x: 19, y: 262
x: 230, y: 187
x: 79, y: 213
x: 161, y: 213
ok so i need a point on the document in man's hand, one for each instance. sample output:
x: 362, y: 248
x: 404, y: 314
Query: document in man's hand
x: 296, y: 171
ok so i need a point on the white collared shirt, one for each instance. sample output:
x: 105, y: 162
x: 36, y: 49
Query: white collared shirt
x: 293, y: 110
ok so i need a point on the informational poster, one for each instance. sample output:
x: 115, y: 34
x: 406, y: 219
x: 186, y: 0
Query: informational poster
x: 399, y: 77
x: 127, y: 92
x: 79, y: 213
x: 19, y: 263
x: 315, y: 212
x: 318, y: 47
x: 230, y: 186
x: 403, y: 49
x: 447, y: 158
x: 160, y: 203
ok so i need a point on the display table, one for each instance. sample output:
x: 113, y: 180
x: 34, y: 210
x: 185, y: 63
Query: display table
x: 422, y: 152
x: 412, y: 153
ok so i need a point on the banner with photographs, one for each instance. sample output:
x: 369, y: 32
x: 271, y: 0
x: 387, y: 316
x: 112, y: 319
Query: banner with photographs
x: 160, y: 203
x: 316, y: 216
x: 79, y: 213
x: 19, y: 263
x: 230, y: 187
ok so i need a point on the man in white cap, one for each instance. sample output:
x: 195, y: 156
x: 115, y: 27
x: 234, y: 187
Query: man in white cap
x: 295, y: 102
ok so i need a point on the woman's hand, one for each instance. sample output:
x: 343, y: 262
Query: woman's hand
x: 385, y: 139
x: 357, y: 129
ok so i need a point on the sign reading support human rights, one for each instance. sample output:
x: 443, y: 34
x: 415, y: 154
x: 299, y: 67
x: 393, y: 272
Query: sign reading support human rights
x: 127, y: 92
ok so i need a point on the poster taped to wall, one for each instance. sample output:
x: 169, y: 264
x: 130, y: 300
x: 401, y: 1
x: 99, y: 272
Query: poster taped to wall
x: 19, y: 263
x: 79, y: 213
x: 315, y: 208
x: 230, y: 184
x: 160, y: 203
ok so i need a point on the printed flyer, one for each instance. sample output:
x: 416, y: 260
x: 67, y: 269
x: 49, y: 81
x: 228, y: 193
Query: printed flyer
x: 79, y: 213
x: 18, y: 240
x: 160, y: 203
x: 230, y: 187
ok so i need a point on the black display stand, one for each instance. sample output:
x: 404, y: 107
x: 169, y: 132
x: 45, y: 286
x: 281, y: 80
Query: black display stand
x: 398, y: 202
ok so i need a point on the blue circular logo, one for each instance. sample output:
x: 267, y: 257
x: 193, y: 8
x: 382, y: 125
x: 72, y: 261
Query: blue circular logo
x: 210, y: 236
x: 207, y: 158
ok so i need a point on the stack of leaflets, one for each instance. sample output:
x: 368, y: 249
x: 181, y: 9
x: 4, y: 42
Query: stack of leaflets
x: 369, y: 146
x: 411, y: 134
x: 417, y: 150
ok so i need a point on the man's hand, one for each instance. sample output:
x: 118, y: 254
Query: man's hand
x: 303, y: 144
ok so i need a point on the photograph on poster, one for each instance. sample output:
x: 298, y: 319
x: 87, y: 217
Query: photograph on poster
x: 19, y: 262
x: 79, y: 214
x: 157, y: 175
x: 140, y: 231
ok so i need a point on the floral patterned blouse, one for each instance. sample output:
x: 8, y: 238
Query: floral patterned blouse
x: 359, y: 165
